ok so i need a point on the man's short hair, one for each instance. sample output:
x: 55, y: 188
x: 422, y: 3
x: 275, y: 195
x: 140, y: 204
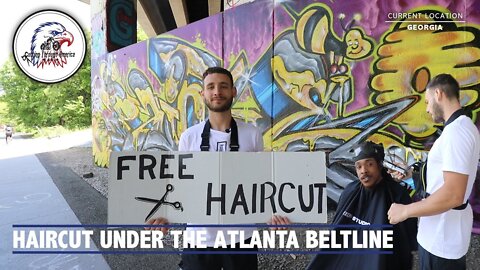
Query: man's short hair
x: 447, y: 84
x: 213, y: 70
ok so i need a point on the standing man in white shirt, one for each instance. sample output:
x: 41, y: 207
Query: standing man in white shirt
x: 446, y: 218
x: 220, y: 132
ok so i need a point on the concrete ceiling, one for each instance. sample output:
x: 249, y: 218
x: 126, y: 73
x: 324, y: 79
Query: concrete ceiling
x: 160, y: 16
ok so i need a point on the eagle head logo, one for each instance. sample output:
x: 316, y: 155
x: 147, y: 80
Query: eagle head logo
x: 49, y: 37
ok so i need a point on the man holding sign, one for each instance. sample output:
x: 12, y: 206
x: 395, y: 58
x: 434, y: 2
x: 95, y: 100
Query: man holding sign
x: 220, y: 132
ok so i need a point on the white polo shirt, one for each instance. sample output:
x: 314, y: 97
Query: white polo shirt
x: 447, y: 235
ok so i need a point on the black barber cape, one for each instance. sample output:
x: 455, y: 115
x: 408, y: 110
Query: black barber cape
x: 359, y: 205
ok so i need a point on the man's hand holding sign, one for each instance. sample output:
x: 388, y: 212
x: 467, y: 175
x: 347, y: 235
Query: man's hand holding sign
x: 221, y: 188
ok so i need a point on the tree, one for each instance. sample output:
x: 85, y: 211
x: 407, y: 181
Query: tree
x: 36, y: 104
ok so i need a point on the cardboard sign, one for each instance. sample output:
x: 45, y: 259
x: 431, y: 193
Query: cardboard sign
x: 217, y: 187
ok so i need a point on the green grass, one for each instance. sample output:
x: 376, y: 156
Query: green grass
x: 51, y: 132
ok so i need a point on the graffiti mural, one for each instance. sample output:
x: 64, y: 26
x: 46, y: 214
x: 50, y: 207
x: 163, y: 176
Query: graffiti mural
x: 121, y: 23
x: 402, y: 68
x: 313, y: 76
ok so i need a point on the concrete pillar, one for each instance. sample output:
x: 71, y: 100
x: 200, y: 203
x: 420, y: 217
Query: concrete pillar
x: 143, y: 20
x: 214, y: 7
x: 179, y: 9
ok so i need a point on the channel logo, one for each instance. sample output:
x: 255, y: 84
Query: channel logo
x: 49, y: 46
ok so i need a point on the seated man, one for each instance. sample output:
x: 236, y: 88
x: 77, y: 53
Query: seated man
x: 366, y: 202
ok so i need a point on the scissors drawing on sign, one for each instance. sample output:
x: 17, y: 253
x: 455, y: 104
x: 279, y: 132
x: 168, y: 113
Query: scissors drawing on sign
x: 177, y: 205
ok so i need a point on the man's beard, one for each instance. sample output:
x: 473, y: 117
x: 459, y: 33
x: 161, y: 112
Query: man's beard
x: 223, y: 108
x: 437, y: 113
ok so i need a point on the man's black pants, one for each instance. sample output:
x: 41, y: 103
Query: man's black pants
x: 220, y: 261
x: 428, y: 261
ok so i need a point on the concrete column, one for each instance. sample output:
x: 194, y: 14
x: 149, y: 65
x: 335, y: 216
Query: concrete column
x: 179, y: 9
x: 143, y: 20
x: 214, y: 7
x: 99, y: 40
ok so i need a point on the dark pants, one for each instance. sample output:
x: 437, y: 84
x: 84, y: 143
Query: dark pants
x: 428, y: 261
x: 220, y: 261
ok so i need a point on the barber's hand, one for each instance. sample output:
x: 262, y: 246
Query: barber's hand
x: 278, y: 220
x: 397, y: 213
x: 398, y: 176
x: 158, y: 221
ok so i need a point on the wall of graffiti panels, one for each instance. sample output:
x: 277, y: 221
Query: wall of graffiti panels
x: 313, y: 75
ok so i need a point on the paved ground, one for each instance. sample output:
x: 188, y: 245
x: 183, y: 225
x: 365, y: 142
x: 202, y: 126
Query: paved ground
x: 42, y: 188
x: 20, y: 146
x: 37, y: 188
x: 28, y: 196
x: 91, y: 208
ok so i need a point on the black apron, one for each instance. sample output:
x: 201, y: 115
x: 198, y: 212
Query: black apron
x: 372, y: 206
x: 205, y: 146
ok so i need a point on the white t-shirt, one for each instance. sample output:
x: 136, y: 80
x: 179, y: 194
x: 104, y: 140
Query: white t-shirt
x: 249, y: 140
x: 447, y: 235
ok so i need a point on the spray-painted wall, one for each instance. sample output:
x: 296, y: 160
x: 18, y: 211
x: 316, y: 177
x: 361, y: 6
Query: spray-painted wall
x: 312, y: 75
